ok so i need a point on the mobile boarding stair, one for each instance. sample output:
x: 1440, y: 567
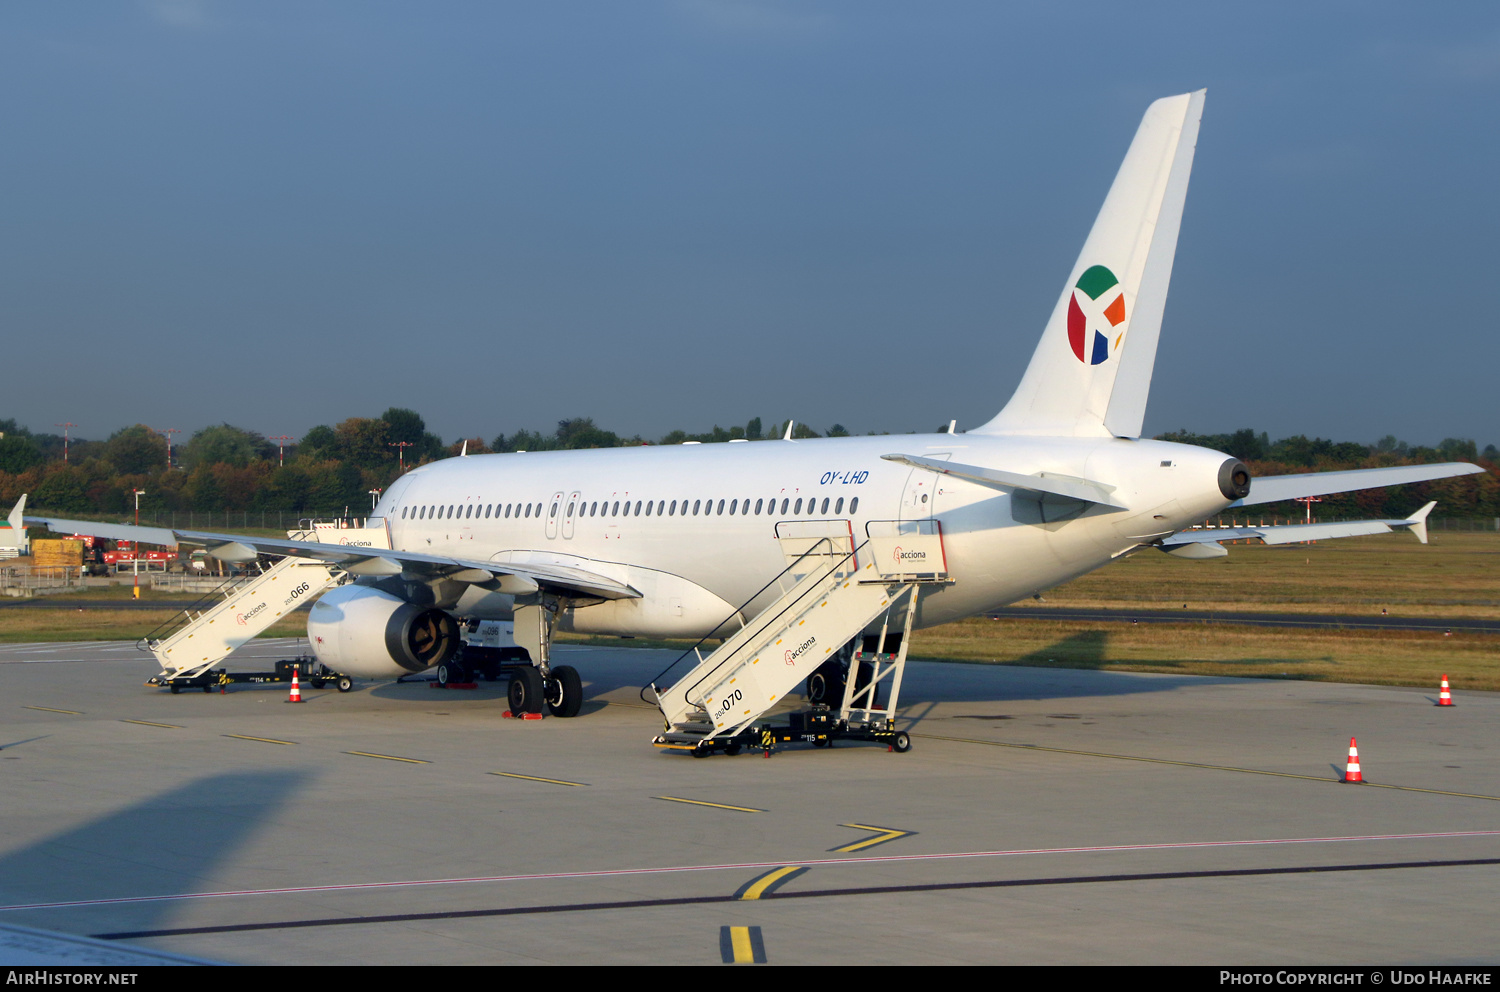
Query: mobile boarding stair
x: 834, y: 591
x: 191, y: 644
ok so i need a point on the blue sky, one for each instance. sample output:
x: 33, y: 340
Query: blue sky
x: 686, y: 212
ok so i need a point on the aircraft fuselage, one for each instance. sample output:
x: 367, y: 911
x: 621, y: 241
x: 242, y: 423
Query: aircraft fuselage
x: 693, y: 527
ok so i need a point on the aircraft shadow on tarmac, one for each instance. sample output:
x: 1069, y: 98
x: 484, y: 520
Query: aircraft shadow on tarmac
x: 169, y: 844
x: 1036, y: 676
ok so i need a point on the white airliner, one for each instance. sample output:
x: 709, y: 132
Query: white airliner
x: 682, y: 541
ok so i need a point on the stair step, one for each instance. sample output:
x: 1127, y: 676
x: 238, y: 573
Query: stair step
x: 676, y: 737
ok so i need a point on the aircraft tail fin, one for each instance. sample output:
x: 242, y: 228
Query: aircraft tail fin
x: 1091, y: 372
x: 18, y: 525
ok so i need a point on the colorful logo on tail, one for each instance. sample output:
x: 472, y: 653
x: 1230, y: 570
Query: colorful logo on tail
x: 1096, y: 310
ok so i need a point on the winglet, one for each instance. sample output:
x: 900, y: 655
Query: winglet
x: 1417, y: 522
x: 18, y: 525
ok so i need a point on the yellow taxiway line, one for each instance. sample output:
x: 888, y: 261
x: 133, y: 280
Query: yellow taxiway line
x: 538, y: 778
x: 700, y: 802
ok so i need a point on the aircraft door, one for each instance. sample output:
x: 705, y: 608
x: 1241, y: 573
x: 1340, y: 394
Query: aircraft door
x: 569, y: 513
x: 467, y: 512
x: 919, y: 499
x: 554, y: 507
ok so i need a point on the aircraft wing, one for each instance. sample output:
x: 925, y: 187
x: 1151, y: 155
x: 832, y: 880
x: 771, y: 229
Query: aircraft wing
x: 508, y: 577
x: 1275, y: 488
x: 1294, y: 533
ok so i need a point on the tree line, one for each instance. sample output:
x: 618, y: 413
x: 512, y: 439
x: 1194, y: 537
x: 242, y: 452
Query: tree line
x: 224, y: 467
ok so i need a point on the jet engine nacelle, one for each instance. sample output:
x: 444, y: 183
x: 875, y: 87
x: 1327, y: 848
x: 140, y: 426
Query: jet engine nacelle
x: 360, y: 630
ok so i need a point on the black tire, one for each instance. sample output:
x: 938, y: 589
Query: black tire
x: 344, y: 683
x: 901, y: 743
x: 451, y: 673
x: 733, y: 749
x: 491, y: 673
x: 821, y: 742
x: 525, y: 691
x: 175, y: 688
x: 208, y: 688
x: 564, y: 691
x: 700, y: 751
x: 825, y: 687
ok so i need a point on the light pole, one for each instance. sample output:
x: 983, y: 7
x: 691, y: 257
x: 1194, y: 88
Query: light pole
x: 400, y: 447
x: 374, y: 498
x: 280, y: 440
x: 65, y: 427
x: 135, y: 554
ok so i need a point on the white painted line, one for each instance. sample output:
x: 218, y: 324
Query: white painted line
x: 744, y: 865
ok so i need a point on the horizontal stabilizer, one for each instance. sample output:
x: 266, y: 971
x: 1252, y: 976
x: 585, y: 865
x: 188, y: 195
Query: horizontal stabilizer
x: 1276, y: 488
x: 1083, y: 490
x: 1295, y: 533
x: 362, y: 560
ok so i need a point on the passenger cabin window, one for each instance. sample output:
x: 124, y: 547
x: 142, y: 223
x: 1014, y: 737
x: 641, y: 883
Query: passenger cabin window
x: 732, y: 504
x: 799, y: 505
x: 757, y: 506
x: 854, y: 504
x: 825, y: 505
x: 570, y: 509
x: 672, y: 509
x: 838, y: 507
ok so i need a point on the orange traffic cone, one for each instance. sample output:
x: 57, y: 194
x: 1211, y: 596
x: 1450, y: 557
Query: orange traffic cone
x: 1351, y: 771
x: 1445, y: 698
x: 296, y: 696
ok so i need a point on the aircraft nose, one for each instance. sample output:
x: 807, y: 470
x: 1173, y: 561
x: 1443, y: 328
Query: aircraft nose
x: 1234, y: 479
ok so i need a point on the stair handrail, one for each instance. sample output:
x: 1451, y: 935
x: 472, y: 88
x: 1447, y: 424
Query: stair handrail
x: 182, y: 617
x: 774, y: 580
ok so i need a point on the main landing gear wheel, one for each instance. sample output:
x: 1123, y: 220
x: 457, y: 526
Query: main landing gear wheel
x: 564, y: 691
x: 901, y: 742
x: 826, y: 685
x: 525, y: 692
x: 451, y: 673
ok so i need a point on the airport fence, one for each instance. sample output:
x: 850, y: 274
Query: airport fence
x: 28, y: 580
x: 1491, y: 524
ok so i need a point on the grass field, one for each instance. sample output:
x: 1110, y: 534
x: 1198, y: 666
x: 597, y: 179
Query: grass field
x: 1457, y: 575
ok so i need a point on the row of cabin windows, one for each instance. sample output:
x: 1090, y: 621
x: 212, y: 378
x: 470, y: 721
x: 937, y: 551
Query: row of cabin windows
x: 661, y: 508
